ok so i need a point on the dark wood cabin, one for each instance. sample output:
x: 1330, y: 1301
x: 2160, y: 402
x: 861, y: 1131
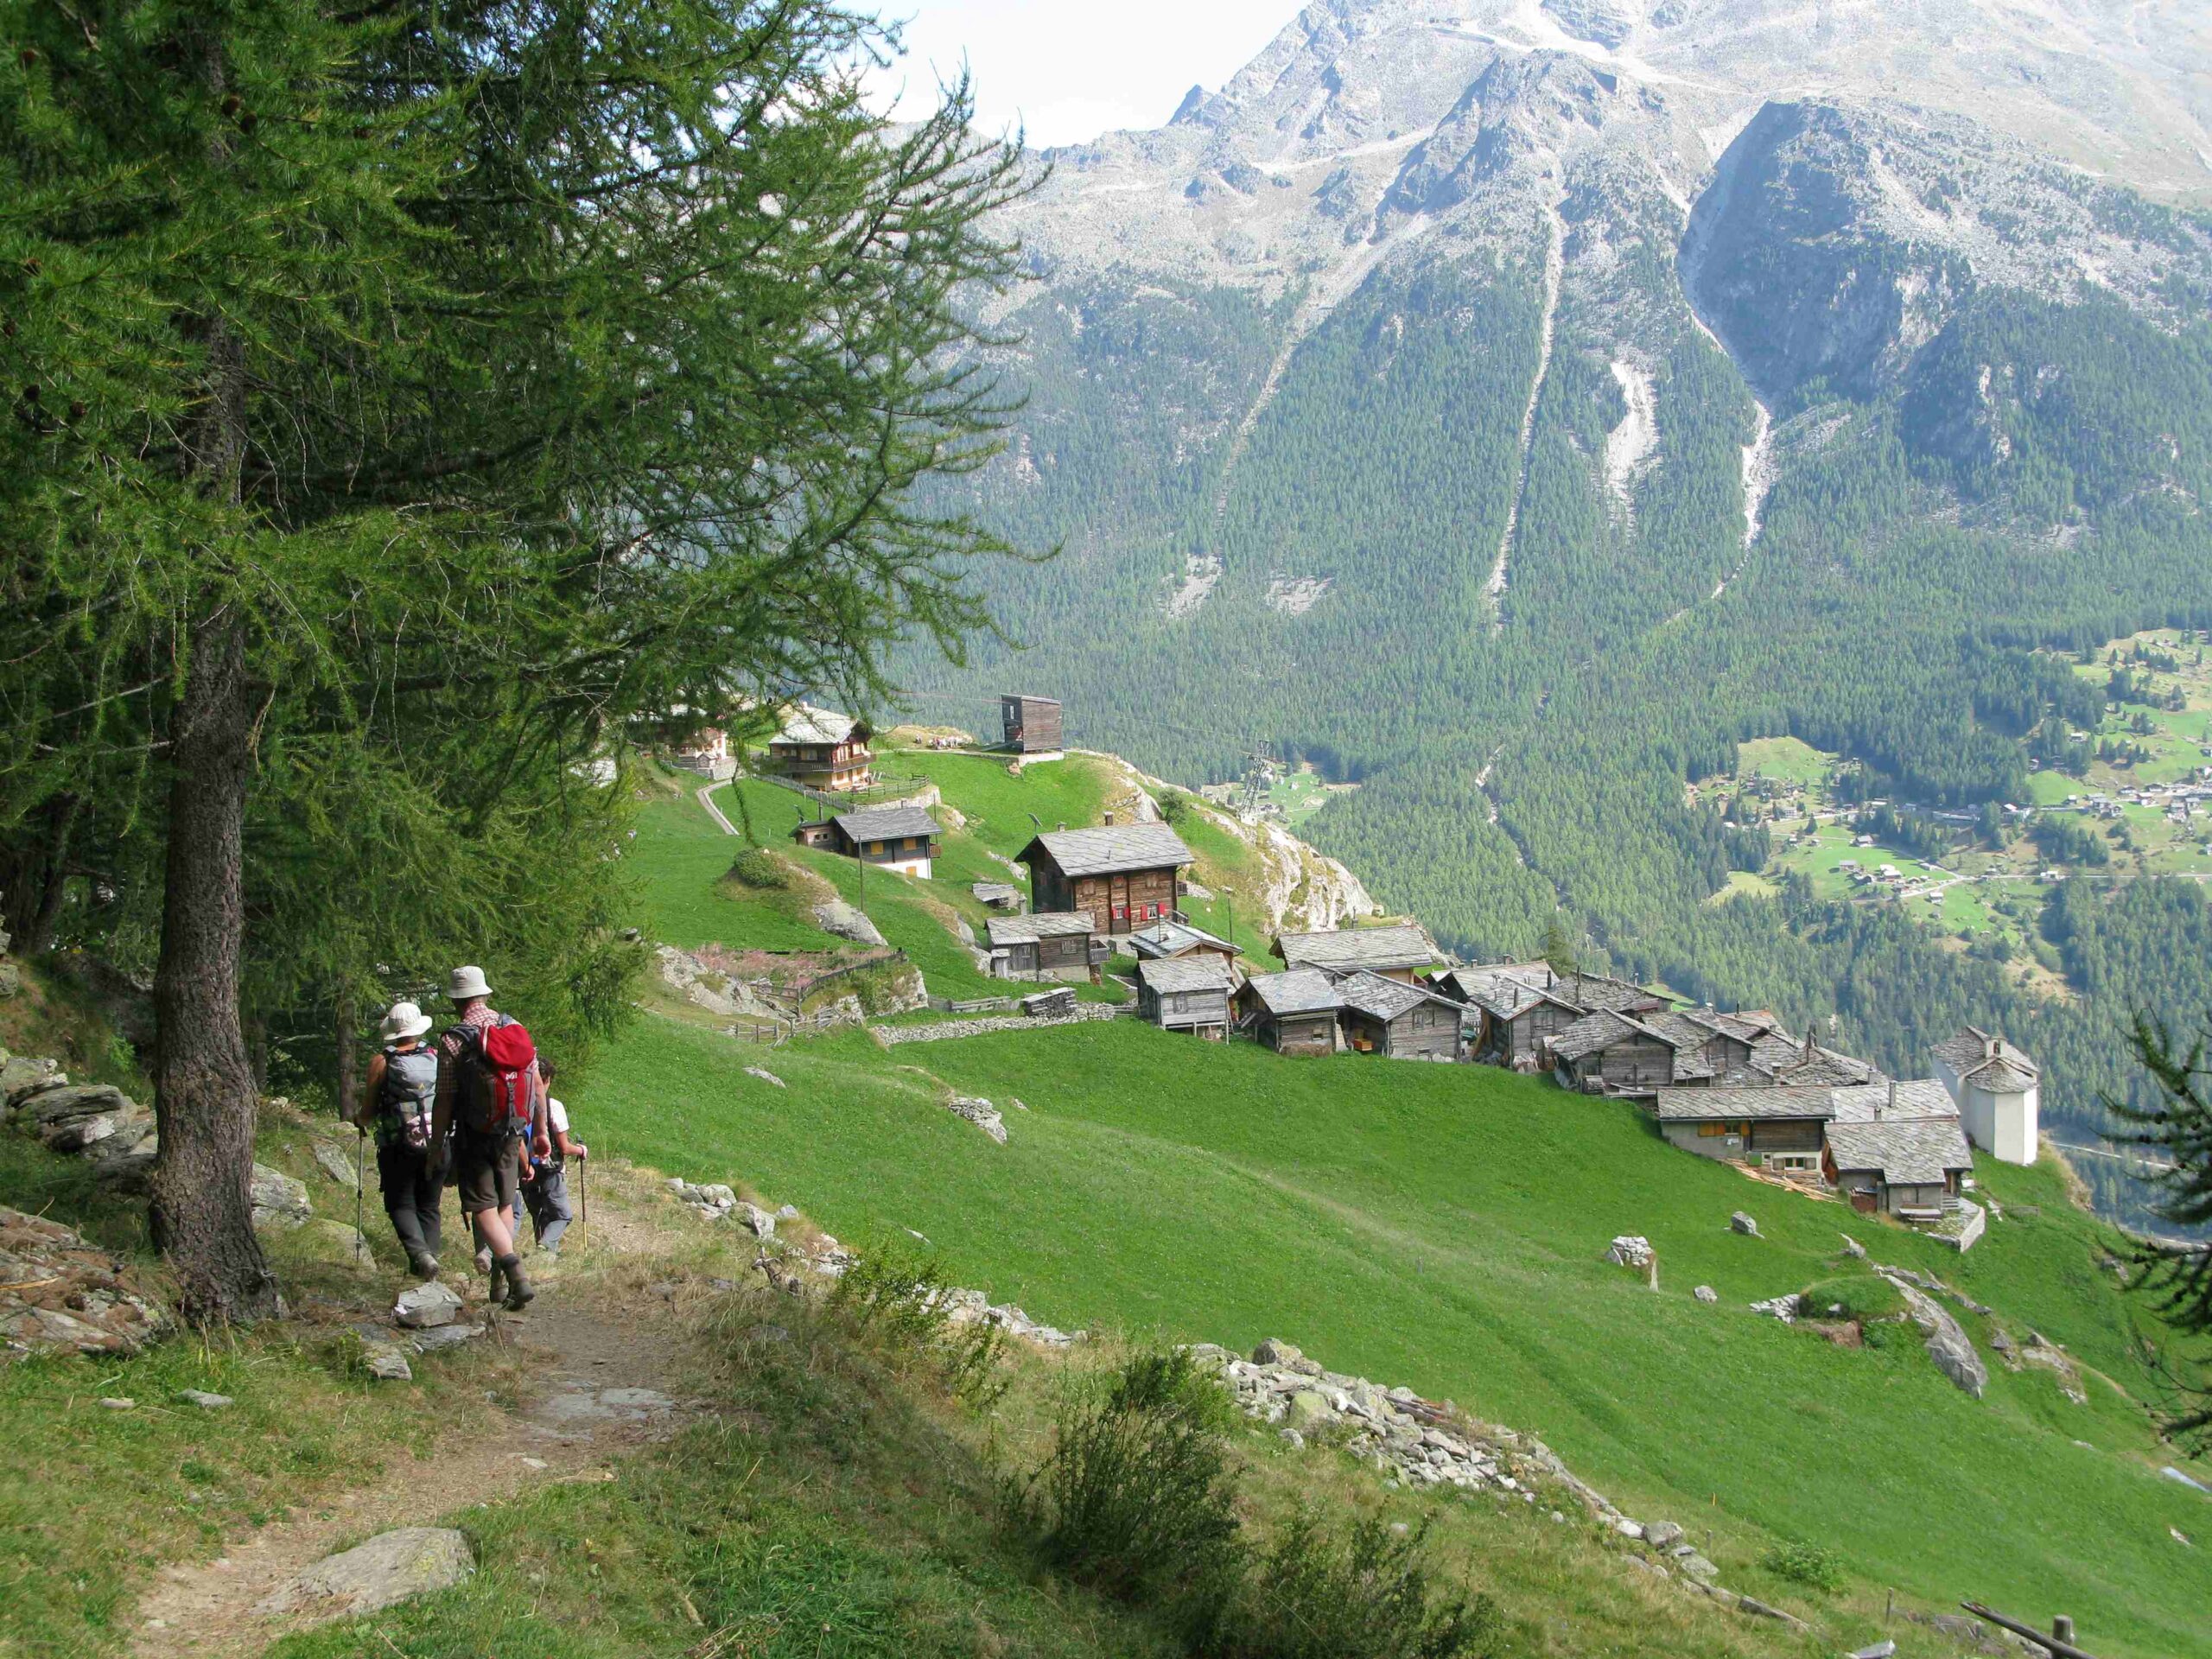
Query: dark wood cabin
x: 1609, y: 1053
x: 1049, y: 944
x: 1126, y: 876
x: 1401, y: 1021
x: 1905, y: 1167
x: 1169, y: 940
x: 1032, y: 724
x: 1186, y: 993
x: 902, y: 838
x: 1293, y: 1012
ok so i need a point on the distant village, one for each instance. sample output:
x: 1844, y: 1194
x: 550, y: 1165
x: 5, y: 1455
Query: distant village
x: 1735, y: 1086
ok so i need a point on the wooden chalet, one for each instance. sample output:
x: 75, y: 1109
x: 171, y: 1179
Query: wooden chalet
x: 1402, y: 1022
x: 1293, y: 1012
x: 1048, y: 944
x: 1170, y: 940
x: 901, y: 838
x: 705, y: 750
x: 1396, y: 951
x: 821, y: 749
x: 1514, y: 1009
x: 1780, y: 1129
x: 1127, y: 876
x: 1608, y: 1053
x: 1186, y: 993
x: 1031, y: 724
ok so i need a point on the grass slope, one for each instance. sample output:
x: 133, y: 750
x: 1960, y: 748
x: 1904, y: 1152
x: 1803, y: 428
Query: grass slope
x: 1442, y: 1227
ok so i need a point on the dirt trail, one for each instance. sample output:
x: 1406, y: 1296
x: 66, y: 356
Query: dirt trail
x: 596, y: 1383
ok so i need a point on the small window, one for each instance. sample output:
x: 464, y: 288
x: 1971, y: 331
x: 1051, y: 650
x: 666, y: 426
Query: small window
x: 1708, y: 1130
x: 876, y: 846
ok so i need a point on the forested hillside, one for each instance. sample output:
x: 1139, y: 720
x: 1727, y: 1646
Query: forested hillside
x: 1453, y: 408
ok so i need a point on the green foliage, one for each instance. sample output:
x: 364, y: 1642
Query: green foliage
x: 1136, y: 1497
x: 1367, y: 1594
x: 757, y: 868
x: 1810, y: 1565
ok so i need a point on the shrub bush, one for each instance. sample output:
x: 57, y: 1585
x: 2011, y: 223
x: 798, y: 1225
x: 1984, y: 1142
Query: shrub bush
x: 1135, y: 1499
x: 1810, y: 1565
x: 760, y: 869
x: 1367, y: 1596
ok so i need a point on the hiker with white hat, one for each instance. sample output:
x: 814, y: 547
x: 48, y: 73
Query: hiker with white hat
x: 491, y: 1098
x: 399, y: 1107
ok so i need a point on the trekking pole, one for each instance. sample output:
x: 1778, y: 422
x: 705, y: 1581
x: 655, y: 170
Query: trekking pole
x: 583, y: 1192
x: 360, y: 1151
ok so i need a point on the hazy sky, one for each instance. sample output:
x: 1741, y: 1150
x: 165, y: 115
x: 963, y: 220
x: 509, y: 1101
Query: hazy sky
x: 1072, y: 69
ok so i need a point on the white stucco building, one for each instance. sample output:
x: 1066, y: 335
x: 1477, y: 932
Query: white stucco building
x: 1998, y: 1091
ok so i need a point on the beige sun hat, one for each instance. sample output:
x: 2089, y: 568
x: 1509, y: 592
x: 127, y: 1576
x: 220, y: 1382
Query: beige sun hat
x: 466, y: 983
x: 405, y: 1020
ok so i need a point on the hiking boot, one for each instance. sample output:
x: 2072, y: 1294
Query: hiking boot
x: 519, y: 1294
x: 494, y: 1289
x: 424, y: 1265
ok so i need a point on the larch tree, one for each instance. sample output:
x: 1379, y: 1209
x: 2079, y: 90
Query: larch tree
x: 2177, y: 1129
x: 390, y: 379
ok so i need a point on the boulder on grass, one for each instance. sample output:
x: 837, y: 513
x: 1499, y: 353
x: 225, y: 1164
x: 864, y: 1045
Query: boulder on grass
x: 391, y: 1568
x: 279, y: 1200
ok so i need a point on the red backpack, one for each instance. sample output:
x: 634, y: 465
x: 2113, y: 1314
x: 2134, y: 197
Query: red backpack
x: 497, y: 1078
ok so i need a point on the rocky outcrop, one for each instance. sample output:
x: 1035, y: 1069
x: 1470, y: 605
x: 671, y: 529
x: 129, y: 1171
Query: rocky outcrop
x: 60, y: 1293
x: 279, y: 1200
x: 837, y: 917
x: 984, y: 1115
x: 1947, y: 1343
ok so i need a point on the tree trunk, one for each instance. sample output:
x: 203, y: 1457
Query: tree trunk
x: 62, y: 815
x: 349, y: 1070
x: 202, y: 1210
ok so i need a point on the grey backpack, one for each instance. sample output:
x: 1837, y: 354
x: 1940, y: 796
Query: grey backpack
x: 410, y: 1093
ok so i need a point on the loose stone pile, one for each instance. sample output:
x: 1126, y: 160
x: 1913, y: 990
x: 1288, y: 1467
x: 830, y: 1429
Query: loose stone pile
x: 719, y: 1203
x: 60, y: 1293
x: 942, y: 1031
x: 971, y: 1308
x: 1428, y: 1444
x: 93, y: 1121
x: 1630, y: 1250
x: 984, y: 1115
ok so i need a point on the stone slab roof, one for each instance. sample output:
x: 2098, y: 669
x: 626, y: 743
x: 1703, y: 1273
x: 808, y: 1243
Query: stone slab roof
x: 1918, y: 1151
x: 1923, y: 1097
x: 886, y: 823
x: 1042, y: 924
x: 1112, y: 849
x: 809, y: 725
x: 1299, y: 990
x: 1989, y: 1059
x: 1344, y: 951
x: 1592, y: 1032
x: 1205, y: 973
x: 1385, y: 999
x: 1727, y: 1105
x: 1173, y: 938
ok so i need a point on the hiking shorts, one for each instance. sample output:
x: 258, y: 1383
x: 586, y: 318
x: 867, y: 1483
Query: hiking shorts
x: 487, y: 1170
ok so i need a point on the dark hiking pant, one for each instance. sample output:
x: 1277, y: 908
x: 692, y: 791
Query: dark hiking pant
x: 411, y: 1195
x: 547, y: 1195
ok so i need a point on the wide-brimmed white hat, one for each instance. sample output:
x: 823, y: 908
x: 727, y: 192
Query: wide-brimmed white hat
x: 466, y: 983
x: 405, y: 1020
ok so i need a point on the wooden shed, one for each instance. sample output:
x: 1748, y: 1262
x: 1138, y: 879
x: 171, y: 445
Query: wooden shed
x: 1293, y: 1012
x: 1609, y: 1053
x: 1404, y: 1022
x: 1127, y: 876
x: 1186, y: 993
x: 1169, y: 940
x: 1032, y: 724
x: 1050, y: 944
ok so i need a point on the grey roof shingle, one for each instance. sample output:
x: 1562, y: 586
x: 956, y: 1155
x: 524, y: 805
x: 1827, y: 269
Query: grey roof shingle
x: 1601, y: 992
x: 1918, y: 1098
x: 1396, y: 944
x: 1173, y: 938
x: 1917, y: 1151
x: 1593, y: 1032
x: 1206, y: 973
x: 886, y: 823
x: 1385, y: 999
x: 1726, y: 1105
x: 1299, y: 990
x: 1043, y: 925
x: 1969, y: 1051
x: 1112, y: 849
x: 808, y: 725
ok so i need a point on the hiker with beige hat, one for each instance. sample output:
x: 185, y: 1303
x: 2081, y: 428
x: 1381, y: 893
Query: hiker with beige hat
x: 397, y: 1106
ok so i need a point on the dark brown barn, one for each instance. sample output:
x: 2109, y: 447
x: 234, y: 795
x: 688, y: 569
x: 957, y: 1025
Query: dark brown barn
x: 1127, y: 876
x: 1032, y: 724
x: 1293, y: 1012
x: 1402, y: 1022
x: 1051, y: 945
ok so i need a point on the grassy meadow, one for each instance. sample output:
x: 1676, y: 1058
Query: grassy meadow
x: 1443, y: 1227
